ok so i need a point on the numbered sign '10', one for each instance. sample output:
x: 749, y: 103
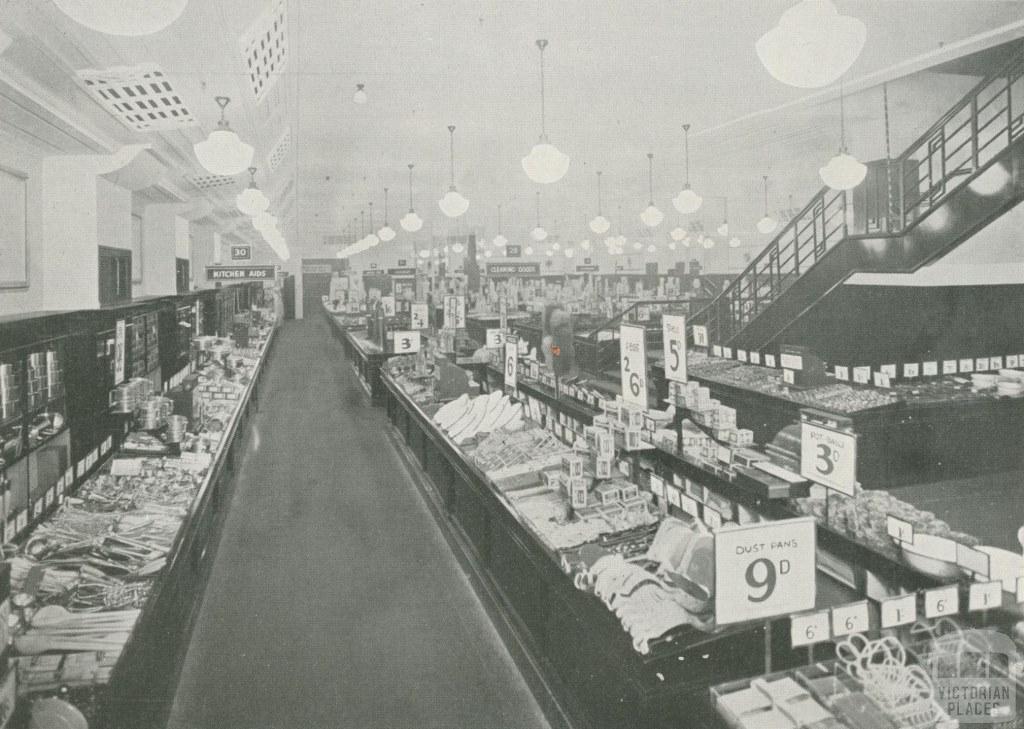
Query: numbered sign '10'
x: 764, y: 570
x: 407, y: 342
x: 828, y: 457
x: 633, y: 364
x: 674, y: 337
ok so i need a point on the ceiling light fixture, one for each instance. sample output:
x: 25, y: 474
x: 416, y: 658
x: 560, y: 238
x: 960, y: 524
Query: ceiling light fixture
x: 251, y: 200
x: 544, y: 164
x: 359, y: 96
x: 386, y: 233
x: 124, y: 18
x: 457, y: 247
x: 569, y: 252
x: 687, y: 201
x: 844, y: 171
x: 411, y: 222
x: 223, y: 153
x: 767, y: 224
x: 585, y: 244
x: 677, y: 234
x: 499, y: 240
x: 651, y: 216
x: 453, y: 204
x: 528, y: 250
x: 734, y: 242
x: 723, y: 229
x: 538, y: 233
x: 599, y: 224
x: 812, y: 46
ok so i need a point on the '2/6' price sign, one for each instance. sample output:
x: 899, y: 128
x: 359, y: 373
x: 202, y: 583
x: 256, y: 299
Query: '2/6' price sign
x: 633, y: 364
x: 674, y: 337
x: 828, y: 457
x: 764, y: 570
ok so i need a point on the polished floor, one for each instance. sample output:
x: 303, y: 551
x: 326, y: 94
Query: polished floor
x: 334, y: 599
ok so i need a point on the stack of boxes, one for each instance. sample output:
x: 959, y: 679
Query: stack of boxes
x: 220, y: 390
x: 710, y: 413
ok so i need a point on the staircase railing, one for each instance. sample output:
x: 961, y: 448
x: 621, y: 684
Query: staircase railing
x: 953, y: 152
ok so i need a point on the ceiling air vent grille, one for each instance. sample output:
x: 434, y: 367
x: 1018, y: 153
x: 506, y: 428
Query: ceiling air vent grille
x: 265, y: 49
x: 211, y: 182
x: 140, y: 97
x: 281, y: 150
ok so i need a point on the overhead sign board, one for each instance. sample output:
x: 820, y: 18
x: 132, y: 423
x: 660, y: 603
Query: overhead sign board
x: 402, y: 272
x: 513, y: 251
x: 241, y: 253
x: 587, y: 268
x: 513, y: 269
x: 241, y: 273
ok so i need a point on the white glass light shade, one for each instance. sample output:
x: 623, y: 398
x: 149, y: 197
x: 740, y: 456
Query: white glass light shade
x: 538, y: 234
x: 709, y: 242
x: 843, y: 172
x: 652, y: 248
x: 556, y: 245
x: 411, y: 222
x: 458, y: 248
x: 812, y: 46
x: 223, y: 153
x: 252, y: 201
x: 359, y: 96
x: 734, y: 242
x: 651, y: 216
x: 637, y: 245
x: 672, y: 246
x: 528, y: 250
x: 686, y: 242
x: 549, y: 252
x: 600, y: 225
x: 569, y: 252
x: 687, y: 201
x: 447, y: 250
x: 585, y: 244
x: 453, y: 204
x: 372, y: 240
x: 677, y: 234
x: 488, y: 254
x: 723, y: 229
x: 500, y: 241
x: 545, y: 164
x: 990, y: 182
x: 125, y: 17
x: 424, y: 254
x: 386, y: 233
x: 767, y: 224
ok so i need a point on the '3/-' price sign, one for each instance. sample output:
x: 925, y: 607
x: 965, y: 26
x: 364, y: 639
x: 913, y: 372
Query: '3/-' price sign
x: 764, y: 570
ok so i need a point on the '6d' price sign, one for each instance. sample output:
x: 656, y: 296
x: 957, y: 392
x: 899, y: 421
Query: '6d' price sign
x: 633, y: 364
x: 828, y: 457
x: 511, y: 362
x: 674, y: 337
x: 764, y: 570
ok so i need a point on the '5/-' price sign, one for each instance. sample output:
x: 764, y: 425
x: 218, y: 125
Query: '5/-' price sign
x: 828, y: 457
x: 764, y: 570
x: 674, y: 337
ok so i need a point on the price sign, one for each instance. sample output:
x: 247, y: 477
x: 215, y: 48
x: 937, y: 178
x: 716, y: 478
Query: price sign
x: 930, y: 369
x: 882, y: 380
x: 741, y: 355
x: 511, y: 362
x: 494, y: 338
x: 633, y: 364
x: 889, y: 370
x: 842, y: 373
x: 828, y: 457
x: 899, y: 529
x: 119, y: 352
x: 966, y: 365
x: 503, y: 314
x: 791, y: 361
x: 941, y: 601
x: 764, y: 570
x: 658, y: 487
x: 689, y: 505
x: 419, y: 316
x: 674, y: 496
x: 789, y: 377
x: 716, y: 350
x: 769, y: 360
x: 387, y: 303
x: 995, y: 363
x: 1012, y: 361
x: 985, y: 596
x: 973, y: 560
x: 981, y: 364
x: 755, y: 358
x: 949, y: 367
x: 901, y: 610
x: 674, y: 336
x: 862, y: 375
x: 454, y: 312
x: 712, y: 517
x: 849, y: 619
x: 809, y: 628
x: 727, y: 352
x: 700, y: 336
x: 911, y: 369
x: 407, y: 342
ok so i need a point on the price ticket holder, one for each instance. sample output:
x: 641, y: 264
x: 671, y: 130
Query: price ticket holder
x: 828, y: 452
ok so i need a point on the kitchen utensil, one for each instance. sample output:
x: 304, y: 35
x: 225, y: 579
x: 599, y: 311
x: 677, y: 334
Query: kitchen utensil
x: 54, y: 713
x: 123, y: 398
x: 177, y: 425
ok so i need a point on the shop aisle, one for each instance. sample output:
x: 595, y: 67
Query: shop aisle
x: 334, y: 599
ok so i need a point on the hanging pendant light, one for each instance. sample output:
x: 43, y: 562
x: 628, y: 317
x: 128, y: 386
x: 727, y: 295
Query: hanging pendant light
x: 411, y: 222
x: 677, y: 234
x: 672, y: 246
x: 359, y: 96
x: 585, y: 244
x: 767, y: 224
x: 251, y: 200
x: 125, y: 17
x: 723, y: 229
x: 687, y: 201
x: 652, y: 248
x: 812, y: 46
x: 544, y: 164
x: 387, y: 232
x: 453, y: 204
x: 538, y: 233
x: 599, y: 224
x: 844, y: 171
x: 223, y: 153
x: 651, y: 216
x: 499, y: 240
x: 457, y: 247
x: 734, y: 242
x: 528, y: 250
x: 569, y: 252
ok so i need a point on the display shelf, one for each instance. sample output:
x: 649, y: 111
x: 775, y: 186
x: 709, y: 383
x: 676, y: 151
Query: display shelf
x: 366, y: 359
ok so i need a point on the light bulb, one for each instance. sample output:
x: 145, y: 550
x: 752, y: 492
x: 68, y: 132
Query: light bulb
x: 687, y: 201
x: 545, y: 164
x: 359, y: 96
x: 600, y: 225
x: 843, y: 172
x: 457, y: 248
x: 569, y: 252
x: 411, y: 222
x: 709, y: 242
x: 734, y: 242
x: 637, y: 245
x: 678, y: 234
x: 500, y: 241
x: 585, y: 244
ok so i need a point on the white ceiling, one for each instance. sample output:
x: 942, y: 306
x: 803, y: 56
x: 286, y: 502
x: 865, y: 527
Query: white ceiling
x: 622, y: 78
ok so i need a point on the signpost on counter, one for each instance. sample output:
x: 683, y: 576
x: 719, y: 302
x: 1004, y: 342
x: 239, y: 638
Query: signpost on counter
x: 241, y: 253
x: 407, y: 342
x: 700, y: 336
x: 511, y: 368
x: 633, y: 364
x: 674, y: 338
x: 454, y: 312
x: 120, y: 351
x: 494, y: 338
x: 828, y: 453
x: 419, y: 316
x: 388, y: 304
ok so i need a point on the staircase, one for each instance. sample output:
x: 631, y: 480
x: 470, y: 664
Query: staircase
x: 959, y: 176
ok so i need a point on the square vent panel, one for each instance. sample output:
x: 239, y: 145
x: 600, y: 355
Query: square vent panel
x: 140, y: 97
x: 212, y: 182
x: 281, y: 150
x: 265, y: 48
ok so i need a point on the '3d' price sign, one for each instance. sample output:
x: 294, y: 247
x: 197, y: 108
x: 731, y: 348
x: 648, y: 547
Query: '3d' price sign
x: 511, y: 362
x: 407, y: 342
x: 633, y: 364
x: 828, y: 457
x: 764, y: 570
x: 674, y: 337
x: 419, y: 316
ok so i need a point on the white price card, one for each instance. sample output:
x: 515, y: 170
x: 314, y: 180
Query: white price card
x: 712, y: 517
x: 727, y: 352
x: 972, y: 560
x: 849, y: 619
x: 789, y: 377
x: 995, y: 363
x: 495, y: 338
x: 985, y: 596
x: 809, y: 628
x: 1012, y: 361
x: 966, y: 365
x: 981, y: 364
x: 21, y: 521
x: 942, y: 601
x: 1020, y: 590
x: 949, y: 367
x: 108, y: 444
x: 674, y: 337
x: 716, y: 350
x: 674, y: 496
x: 791, y: 361
x: 407, y: 342
x: 387, y: 303
x: 764, y: 570
x: 419, y: 316
x: 930, y: 369
x: 842, y: 373
x: 881, y: 379
x: 769, y: 360
x: 700, y: 336
x: 120, y: 346
x: 899, y: 529
x: 828, y: 457
x: 633, y: 364
x: 511, y: 362
x: 888, y: 370
x: 862, y: 375
x: 689, y: 505
x: 658, y: 487
x: 911, y: 369
x: 741, y: 355
x: 454, y: 312
x: 900, y: 610
x: 755, y: 358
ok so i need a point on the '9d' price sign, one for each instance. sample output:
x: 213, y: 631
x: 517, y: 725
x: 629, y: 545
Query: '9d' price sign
x: 828, y: 457
x: 764, y: 570
x: 674, y: 336
x: 633, y: 364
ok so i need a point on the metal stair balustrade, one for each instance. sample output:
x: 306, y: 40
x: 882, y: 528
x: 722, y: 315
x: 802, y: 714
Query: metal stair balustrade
x: 979, y: 131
